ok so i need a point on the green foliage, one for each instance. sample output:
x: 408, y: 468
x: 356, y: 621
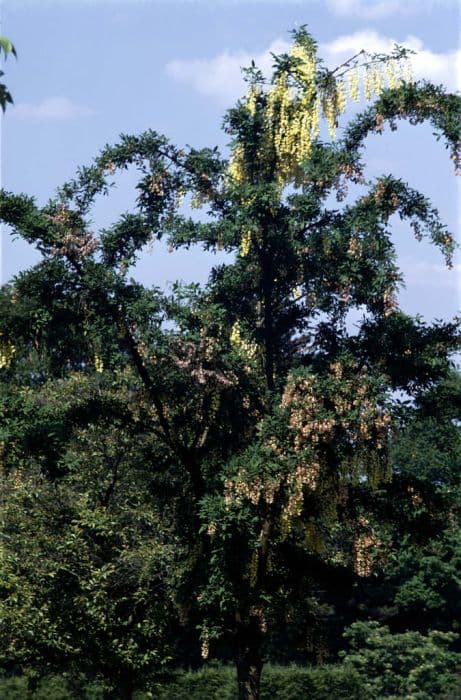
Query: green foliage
x: 425, y: 672
x: 415, y: 102
x: 81, y: 587
x: 87, y: 568
x: 7, y: 48
x: 428, y: 579
x: 214, y: 682
x: 401, y: 665
x: 50, y: 688
x: 283, y: 683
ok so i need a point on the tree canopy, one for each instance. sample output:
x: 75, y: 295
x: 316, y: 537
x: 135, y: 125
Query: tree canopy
x: 197, y: 470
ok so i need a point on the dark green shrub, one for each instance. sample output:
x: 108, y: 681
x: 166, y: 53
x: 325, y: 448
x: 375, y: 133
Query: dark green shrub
x: 454, y: 691
x: 406, y: 665
x: 50, y: 688
x: 212, y: 682
x: 14, y: 688
x: 400, y: 667
x: 278, y: 682
x: 324, y: 683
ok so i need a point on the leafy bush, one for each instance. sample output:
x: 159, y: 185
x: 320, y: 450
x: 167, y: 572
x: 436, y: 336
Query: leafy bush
x: 283, y: 683
x: 214, y: 682
x: 407, y: 665
x: 49, y: 688
x: 324, y: 683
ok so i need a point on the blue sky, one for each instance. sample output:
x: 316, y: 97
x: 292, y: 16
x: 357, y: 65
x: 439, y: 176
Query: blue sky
x: 88, y: 70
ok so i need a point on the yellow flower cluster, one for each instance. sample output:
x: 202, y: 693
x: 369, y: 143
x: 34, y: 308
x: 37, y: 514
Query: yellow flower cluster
x: 156, y: 184
x: 315, y: 418
x: 197, y: 200
x: 236, y: 169
x: 293, y: 116
x: 259, y: 489
x: 374, y: 82
x: 364, y: 546
x: 375, y: 78
x: 389, y: 301
x: 98, y: 363
x: 293, y: 105
x: 205, y: 648
x: 307, y: 65
x: 355, y: 248
x: 330, y: 114
x: 279, y: 117
x: 236, y: 335
x: 180, y: 196
x: 253, y: 490
x: 7, y: 351
x: 245, y: 243
x: 305, y: 476
x: 354, y: 85
x: 391, y: 74
x: 245, y: 347
x: 340, y: 97
x: 264, y: 488
x: 251, y: 100
x: 319, y: 416
x: 291, y: 120
x: 406, y: 72
x: 253, y: 568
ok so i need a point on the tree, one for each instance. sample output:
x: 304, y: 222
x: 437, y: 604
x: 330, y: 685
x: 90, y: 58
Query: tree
x: 419, y: 582
x: 268, y: 422
x: 87, y: 565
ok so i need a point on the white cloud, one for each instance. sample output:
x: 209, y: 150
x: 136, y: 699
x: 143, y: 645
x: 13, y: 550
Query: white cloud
x: 50, y: 109
x: 437, y: 67
x: 221, y: 77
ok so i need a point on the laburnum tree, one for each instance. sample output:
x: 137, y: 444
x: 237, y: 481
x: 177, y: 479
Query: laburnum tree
x: 264, y: 423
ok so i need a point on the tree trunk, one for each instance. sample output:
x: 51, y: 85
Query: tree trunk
x: 248, y: 661
x: 123, y: 690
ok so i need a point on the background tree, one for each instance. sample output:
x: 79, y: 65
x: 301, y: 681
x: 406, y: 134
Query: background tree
x: 420, y: 586
x: 87, y: 566
x: 265, y: 424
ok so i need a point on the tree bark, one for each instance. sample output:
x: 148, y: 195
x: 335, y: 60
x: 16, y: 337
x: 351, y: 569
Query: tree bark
x: 124, y: 689
x: 248, y: 661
